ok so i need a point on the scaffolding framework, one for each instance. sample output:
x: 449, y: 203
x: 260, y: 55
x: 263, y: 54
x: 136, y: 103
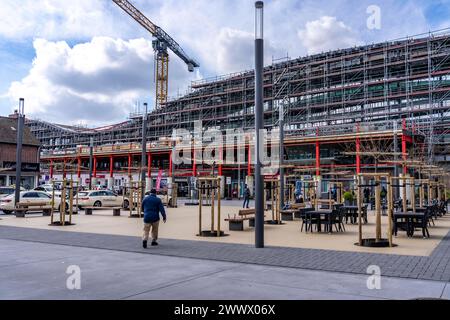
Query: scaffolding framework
x: 367, y: 88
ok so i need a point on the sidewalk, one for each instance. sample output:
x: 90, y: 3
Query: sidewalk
x: 31, y: 270
x: 434, y: 267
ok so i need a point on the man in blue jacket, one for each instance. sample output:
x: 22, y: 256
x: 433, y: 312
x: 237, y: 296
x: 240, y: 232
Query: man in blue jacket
x: 152, y: 206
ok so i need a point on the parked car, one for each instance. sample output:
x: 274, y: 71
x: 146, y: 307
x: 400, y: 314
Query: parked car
x: 166, y: 200
x: 6, y: 191
x: 45, y: 187
x: 49, y: 189
x: 7, y: 203
x: 96, y: 198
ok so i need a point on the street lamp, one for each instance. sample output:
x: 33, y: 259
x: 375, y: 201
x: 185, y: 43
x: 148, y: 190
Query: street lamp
x: 20, y: 125
x: 281, y: 160
x: 91, y: 160
x: 259, y: 118
x: 144, y: 149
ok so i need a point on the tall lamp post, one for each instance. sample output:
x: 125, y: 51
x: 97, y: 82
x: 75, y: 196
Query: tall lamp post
x: 20, y: 125
x: 396, y: 172
x: 91, y: 160
x: 281, y: 122
x: 144, y: 148
x: 259, y: 118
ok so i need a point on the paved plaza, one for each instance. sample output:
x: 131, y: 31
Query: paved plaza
x: 34, y: 258
x: 33, y: 270
x: 33, y: 264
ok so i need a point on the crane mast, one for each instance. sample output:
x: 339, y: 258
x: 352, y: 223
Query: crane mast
x: 161, y: 44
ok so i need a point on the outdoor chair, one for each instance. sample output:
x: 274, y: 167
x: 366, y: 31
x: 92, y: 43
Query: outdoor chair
x: 442, y: 208
x: 336, y: 220
x: 347, y: 214
x: 434, y: 214
x: 398, y: 225
x: 422, y: 223
x: 303, y: 215
x: 384, y: 207
x: 312, y: 220
x: 430, y: 217
x: 398, y: 205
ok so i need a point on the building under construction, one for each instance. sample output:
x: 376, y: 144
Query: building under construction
x: 394, y: 95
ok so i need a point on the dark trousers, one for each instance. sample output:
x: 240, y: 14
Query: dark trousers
x: 246, y: 203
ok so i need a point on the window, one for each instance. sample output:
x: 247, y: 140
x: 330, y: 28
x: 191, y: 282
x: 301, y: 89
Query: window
x: 6, y: 191
x: 30, y: 195
x: 44, y: 195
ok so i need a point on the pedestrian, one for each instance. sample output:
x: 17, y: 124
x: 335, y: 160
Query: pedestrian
x: 299, y: 199
x: 366, y: 195
x: 246, y: 197
x: 383, y: 193
x: 152, y: 207
x: 334, y: 193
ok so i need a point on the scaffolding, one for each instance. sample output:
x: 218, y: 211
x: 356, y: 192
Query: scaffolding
x: 367, y: 87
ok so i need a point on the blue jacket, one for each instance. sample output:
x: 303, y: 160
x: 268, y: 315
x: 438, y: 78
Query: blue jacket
x: 152, y: 206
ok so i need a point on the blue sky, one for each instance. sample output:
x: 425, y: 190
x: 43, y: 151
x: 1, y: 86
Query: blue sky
x: 87, y: 62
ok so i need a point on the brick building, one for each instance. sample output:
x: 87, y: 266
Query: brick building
x: 8, y: 147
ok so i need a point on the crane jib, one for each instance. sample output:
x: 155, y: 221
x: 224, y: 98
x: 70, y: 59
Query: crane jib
x: 157, y: 32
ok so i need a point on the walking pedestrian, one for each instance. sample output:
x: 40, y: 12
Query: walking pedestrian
x: 246, y: 197
x: 152, y: 207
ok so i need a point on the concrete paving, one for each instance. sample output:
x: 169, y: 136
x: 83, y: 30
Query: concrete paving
x: 30, y: 270
x: 183, y: 224
x: 435, y: 267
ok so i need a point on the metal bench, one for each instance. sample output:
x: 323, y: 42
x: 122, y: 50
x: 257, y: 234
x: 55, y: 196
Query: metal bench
x: 288, y: 215
x: 237, y: 222
x: 23, y: 207
x: 116, y: 210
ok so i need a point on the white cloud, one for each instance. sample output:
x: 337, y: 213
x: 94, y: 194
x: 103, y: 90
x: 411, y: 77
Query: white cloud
x: 100, y: 79
x: 327, y: 33
x: 56, y: 19
x: 106, y: 75
x: 235, y: 51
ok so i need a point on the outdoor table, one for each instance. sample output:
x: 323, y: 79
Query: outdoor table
x: 300, y: 213
x: 288, y: 215
x: 352, y: 212
x: 318, y: 214
x: 409, y: 218
x: 419, y: 210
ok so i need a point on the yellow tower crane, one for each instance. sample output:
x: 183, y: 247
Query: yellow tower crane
x: 161, y: 43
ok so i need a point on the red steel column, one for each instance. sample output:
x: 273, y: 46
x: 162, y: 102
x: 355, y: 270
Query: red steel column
x: 149, y: 169
x: 317, y: 154
x: 170, y: 164
x: 317, y: 158
x: 64, y: 169
x: 95, y: 167
x: 194, y: 167
x: 404, y: 148
x: 129, y: 164
x: 220, y: 162
x: 79, y: 168
x: 358, y: 150
x: 111, y: 167
x: 249, y: 169
x: 51, y: 169
x: 358, y: 157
